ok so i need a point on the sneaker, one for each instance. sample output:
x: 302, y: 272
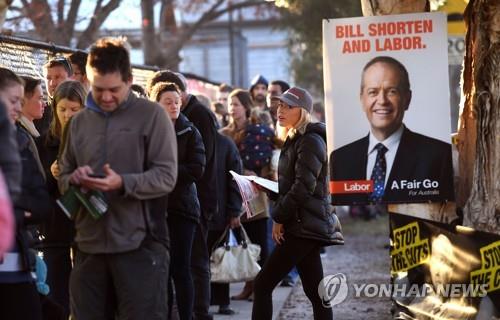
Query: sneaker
x: 226, y: 311
x: 287, y: 282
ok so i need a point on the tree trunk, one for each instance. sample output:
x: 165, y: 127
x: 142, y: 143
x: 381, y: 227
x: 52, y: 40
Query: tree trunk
x: 479, y: 124
x: 150, y: 40
x: 386, y: 7
x: 443, y: 212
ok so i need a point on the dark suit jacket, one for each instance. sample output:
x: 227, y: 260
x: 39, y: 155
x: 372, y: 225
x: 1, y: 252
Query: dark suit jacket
x: 418, y: 158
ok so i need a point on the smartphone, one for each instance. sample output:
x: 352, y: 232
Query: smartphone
x: 96, y: 175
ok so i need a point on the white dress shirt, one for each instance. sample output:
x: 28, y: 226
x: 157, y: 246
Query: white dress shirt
x: 391, y: 143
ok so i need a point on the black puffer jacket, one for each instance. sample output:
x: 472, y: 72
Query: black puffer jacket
x: 183, y: 200
x: 303, y: 205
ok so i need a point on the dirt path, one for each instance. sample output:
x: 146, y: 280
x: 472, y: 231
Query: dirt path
x: 364, y: 260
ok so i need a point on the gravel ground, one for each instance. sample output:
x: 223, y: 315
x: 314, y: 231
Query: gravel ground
x: 364, y: 259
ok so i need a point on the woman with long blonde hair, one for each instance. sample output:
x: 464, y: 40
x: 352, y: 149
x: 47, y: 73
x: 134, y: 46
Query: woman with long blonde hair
x: 303, y: 216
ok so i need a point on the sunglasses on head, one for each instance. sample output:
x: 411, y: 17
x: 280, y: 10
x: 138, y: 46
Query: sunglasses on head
x: 60, y: 60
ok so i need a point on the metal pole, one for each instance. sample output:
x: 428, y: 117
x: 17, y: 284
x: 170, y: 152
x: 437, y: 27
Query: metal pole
x: 231, y: 44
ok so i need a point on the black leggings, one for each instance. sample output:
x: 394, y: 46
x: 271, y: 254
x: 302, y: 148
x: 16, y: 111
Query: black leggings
x: 304, y: 254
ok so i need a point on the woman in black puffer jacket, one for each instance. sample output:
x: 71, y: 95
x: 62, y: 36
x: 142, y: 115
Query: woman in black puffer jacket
x: 183, y: 205
x: 303, y: 217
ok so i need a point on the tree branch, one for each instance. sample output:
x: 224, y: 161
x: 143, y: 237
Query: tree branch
x: 148, y: 31
x: 15, y: 8
x: 15, y: 18
x: 210, y: 15
x: 69, y: 24
x: 60, y: 12
x: 167, y: 20
x: 38, y: 11
x: 98, y: 6
x: 100, y: 14
x: 241, y: 5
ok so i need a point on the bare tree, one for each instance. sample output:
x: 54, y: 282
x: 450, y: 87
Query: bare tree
x: 162, y: 48
x: 60, y: 27
x: 479, y: 123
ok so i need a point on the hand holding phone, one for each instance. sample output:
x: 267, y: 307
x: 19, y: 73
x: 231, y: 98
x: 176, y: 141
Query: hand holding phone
x: 106, y: 181
x: 97, y: 175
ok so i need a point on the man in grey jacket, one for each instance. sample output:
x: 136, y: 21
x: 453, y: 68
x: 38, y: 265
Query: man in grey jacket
x: 125, y: 147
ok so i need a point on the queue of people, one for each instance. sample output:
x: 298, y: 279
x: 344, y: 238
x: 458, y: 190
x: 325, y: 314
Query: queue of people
x: 159, y: 162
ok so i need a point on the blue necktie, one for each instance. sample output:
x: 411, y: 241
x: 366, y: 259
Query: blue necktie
x: 378, y: 174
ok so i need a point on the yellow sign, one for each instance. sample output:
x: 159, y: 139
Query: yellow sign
x: 409, y: 250
x: 455, y: 13
x: 490, y: 267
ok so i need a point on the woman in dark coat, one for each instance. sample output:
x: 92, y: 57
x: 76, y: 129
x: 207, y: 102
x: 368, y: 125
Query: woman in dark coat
x: 303, y: 217
x: 19, y: 298
x: 183, y: 205
x: 228, y: 215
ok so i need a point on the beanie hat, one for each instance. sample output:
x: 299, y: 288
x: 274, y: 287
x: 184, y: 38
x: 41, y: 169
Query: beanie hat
x: 256, y: 80
x: 296, y: 97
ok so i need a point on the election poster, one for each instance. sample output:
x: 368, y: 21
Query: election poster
x: 441, y: 271
x: 387, y: 109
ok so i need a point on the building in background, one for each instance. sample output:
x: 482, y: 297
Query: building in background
x: 253, y: 39
x: 256, y: 44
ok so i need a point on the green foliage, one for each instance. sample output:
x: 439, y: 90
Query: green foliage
x: 304, y: 18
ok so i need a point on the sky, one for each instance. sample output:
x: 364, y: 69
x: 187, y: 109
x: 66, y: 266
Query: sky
x: 126, y: 16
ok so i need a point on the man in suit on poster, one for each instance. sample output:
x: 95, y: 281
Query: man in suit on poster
x: 403, y: 166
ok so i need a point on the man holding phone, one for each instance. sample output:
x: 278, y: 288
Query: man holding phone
x: 124, y: 147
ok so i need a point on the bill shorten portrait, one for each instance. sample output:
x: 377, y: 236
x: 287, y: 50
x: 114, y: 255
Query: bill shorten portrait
x: 392, y: 163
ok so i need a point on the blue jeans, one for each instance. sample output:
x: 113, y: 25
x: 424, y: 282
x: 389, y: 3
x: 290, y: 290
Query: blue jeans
x: 181, y: 241
x: 293, y: 274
